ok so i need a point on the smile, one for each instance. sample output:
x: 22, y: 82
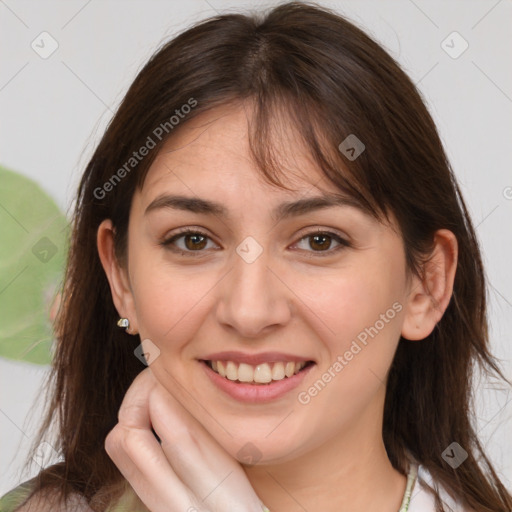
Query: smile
x: 253, y: 392
x: 264, y: 373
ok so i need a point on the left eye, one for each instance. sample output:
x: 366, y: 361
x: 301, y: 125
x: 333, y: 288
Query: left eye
x: 323, y: 240
x: 195, y: 241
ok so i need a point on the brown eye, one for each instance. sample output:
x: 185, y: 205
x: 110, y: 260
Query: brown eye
x: 193, y: 242
x: 321, y: 242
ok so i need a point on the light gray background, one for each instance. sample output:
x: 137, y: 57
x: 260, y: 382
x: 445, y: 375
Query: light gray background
x: 53, y: 110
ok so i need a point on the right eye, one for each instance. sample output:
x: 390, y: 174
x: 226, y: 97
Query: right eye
x: 194, y: 242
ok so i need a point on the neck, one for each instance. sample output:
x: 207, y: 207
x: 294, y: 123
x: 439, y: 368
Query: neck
x: 349, y: 472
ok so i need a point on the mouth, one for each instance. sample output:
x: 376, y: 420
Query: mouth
x: 262, y: 374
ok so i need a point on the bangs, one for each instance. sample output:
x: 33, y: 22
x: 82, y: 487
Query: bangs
x: 278, y: 115
x: 279, y: 124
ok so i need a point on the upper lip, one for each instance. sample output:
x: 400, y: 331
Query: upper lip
x: 254, y: 359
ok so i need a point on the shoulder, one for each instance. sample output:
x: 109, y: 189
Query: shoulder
x: 422, y: 500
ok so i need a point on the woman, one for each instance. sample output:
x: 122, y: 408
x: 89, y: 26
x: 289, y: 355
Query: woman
x: 274, y: 295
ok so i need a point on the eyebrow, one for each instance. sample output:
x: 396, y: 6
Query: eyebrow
x: 284, y: 210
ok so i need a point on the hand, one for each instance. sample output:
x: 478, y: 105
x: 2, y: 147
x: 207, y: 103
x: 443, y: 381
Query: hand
x: 189, y: 471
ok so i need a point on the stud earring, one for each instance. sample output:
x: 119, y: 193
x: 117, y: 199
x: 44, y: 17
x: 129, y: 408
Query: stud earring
x: 125, y: 323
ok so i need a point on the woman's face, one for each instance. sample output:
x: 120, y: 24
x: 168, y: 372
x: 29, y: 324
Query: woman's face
x: 255, y: 284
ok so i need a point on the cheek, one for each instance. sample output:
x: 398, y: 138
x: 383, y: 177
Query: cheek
x: 350, y: 382
x: 343, y: 304
x: 167, y: 300
x: 357, y: 315
x: 363, y: 311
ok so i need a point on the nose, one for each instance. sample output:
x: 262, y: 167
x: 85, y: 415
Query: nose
x: 253, y: 298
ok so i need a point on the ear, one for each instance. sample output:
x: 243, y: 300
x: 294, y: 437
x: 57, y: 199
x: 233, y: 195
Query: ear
x: 429, y: 296
x: 117, y: 275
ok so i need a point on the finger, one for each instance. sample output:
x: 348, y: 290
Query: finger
x: 146, y: 468
x: 139, y: 456
x: 137, y: 396
x: 201, y: 463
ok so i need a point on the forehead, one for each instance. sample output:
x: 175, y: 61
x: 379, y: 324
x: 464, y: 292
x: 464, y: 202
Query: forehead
x: 211, y: 153
x: 207, y: 167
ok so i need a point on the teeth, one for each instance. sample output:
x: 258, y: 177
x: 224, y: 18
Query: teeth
x: 231, y: 371
x: 290, y: 368
x: 278, y: 371
x: 245, y: 373
x: 261, y: 374
x: 221, y: 369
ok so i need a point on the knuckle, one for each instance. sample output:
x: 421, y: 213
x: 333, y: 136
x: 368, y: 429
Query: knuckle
x: 123, y: 440
x: 112, y: 441
x: 133, y: 441
x: 130, y: 440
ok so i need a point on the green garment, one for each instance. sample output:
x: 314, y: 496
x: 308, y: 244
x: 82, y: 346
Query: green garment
x: 129, y: 501
x: 33, y: 251
x: 15, y: 497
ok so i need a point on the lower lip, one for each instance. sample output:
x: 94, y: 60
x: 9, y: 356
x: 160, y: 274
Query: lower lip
x: 256, y: 393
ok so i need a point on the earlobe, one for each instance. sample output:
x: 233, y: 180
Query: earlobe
x: 116, y: 275
x: 429, y: 296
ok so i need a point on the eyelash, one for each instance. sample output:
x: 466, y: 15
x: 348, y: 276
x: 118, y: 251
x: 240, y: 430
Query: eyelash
x: 188, y: 231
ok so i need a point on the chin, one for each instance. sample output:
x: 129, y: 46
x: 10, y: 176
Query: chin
x: 257, y: 452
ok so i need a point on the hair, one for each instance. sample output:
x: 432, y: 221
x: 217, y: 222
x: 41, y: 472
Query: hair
x: 330, y: 79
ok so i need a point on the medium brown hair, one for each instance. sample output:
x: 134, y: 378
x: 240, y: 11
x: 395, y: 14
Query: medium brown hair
x: 331, y: 80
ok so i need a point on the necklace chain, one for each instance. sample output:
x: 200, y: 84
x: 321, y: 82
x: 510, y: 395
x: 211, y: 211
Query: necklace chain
x: 411, y: 479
